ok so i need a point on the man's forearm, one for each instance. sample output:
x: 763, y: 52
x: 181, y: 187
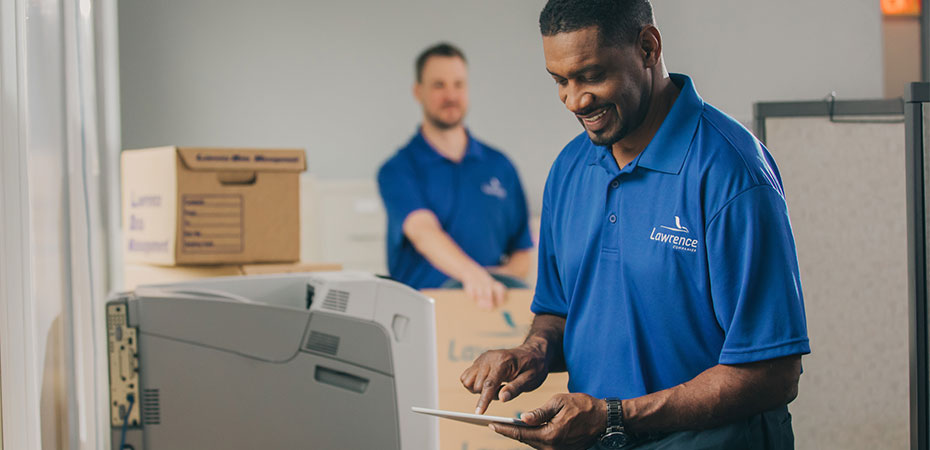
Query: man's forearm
x: 546, y: 335
x: 717, y: 396
x: 518, y: 264
x: 431, y: 241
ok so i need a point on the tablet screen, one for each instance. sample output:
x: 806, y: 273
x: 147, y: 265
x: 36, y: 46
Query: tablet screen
x: 476, y: 419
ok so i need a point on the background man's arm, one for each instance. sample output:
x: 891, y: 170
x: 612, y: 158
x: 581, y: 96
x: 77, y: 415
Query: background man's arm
x: 424, y: 231
x: 517, y: 265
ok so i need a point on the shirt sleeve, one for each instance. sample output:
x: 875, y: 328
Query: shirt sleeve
x: 549, y: 297
x: 754, y: 278
x: 521, y: 239
x: 401, y: 194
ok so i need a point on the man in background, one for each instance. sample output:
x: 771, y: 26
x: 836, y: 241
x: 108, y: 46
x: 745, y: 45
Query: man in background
x: 456, y: 209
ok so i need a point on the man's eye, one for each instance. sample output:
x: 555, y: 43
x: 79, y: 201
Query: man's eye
x: 592, y: 78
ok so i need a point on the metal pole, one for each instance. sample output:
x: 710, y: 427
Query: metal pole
x: 917, y: 267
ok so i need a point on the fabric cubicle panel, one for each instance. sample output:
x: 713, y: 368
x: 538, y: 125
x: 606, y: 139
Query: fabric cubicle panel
x: 844, y: 181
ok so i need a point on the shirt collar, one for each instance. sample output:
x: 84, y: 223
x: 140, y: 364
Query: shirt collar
x: 667, y: 150
x: 425, y: 152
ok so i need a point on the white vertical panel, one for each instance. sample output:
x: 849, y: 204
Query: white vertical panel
x: 108, y: 115
x: 48, y: 207
x: 846, y: 197
x: 47, y: 179
x: 17, y: 316
x: 83, y: 313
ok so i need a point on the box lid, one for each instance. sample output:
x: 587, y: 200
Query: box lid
x: 266, y: 269
x: 253, y: 159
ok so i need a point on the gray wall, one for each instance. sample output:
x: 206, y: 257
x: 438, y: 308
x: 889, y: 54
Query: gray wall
x: 334, y: 77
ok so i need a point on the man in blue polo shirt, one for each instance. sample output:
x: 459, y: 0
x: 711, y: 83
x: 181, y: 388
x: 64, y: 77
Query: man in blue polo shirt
x: 456, y: 210
x: 668, y: 280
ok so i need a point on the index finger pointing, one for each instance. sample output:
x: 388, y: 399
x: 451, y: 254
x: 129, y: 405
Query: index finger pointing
x: 489, y: 390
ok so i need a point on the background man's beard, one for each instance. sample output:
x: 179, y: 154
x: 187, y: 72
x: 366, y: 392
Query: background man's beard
x: 443, y: 124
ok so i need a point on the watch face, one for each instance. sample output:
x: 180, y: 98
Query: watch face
x: 614, y: 440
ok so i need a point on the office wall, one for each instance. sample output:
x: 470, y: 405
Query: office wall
x: 901, y: 51
x: 335, y: 77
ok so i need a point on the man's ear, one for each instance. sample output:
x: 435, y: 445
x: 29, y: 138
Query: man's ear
x: 650, y: 45
x: 417, y: 91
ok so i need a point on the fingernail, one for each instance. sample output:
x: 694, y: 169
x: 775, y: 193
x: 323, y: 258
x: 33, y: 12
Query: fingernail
x: 505, y: 396
x: 478, y: 410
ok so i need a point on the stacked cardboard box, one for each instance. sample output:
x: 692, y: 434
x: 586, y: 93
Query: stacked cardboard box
x: 193, y: 212
x: 463, y: 332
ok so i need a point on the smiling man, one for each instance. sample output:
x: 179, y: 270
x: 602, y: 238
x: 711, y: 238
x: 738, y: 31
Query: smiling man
x: 668, y: 282
x: 456, y: 209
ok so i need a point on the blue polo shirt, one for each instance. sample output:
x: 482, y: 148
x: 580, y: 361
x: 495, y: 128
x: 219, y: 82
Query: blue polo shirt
x: 479, y: 203
x: 682, y: 260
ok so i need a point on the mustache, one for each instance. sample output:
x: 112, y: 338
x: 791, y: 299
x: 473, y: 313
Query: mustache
x: 451, y: 105
x: 591, y: 109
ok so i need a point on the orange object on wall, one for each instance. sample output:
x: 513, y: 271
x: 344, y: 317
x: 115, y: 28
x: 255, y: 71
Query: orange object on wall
x: 901, y: 7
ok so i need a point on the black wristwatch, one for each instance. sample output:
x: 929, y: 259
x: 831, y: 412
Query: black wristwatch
x: 615, y: 437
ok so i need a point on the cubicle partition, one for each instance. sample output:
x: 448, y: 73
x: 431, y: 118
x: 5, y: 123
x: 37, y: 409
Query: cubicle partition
x: 917, y: 117
x: 842, y: 164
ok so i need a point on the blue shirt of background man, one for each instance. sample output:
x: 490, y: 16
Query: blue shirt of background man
x: 682, y: 260
x: 479, y: 203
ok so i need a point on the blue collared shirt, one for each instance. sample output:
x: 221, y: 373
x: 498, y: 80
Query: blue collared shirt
x: 682, y: 260
x: 479, y: 202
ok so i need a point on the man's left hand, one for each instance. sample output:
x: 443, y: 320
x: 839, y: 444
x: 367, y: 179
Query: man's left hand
x: 566, y: 421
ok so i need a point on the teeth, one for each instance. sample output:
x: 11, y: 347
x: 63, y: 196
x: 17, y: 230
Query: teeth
x: 595, y: 118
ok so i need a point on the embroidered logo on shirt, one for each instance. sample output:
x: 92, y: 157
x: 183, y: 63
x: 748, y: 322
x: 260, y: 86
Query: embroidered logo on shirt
x: 679, y: 240
x: 494, y: 188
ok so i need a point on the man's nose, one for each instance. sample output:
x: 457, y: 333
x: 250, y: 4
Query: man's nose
x: 451, y: 93
x: 577, y: 100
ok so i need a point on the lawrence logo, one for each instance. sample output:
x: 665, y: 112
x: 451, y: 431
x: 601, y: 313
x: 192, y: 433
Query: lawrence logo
x: 494, y: 188
x: 678, y: 237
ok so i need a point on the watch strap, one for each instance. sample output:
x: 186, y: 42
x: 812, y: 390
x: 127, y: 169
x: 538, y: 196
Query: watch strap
x: 614, y: 415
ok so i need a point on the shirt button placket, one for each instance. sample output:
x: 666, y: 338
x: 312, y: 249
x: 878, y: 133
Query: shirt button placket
x: 612, y: 218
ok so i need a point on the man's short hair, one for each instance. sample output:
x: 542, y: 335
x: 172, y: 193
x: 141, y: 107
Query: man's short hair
x: 440, y: 49
x: 618, y: 21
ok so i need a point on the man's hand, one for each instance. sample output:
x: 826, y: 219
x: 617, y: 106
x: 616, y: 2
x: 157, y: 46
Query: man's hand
x: 483, y: 289
x: 566, y: 421
x: 523, y: 369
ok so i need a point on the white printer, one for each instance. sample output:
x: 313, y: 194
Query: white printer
x: 328, y: 361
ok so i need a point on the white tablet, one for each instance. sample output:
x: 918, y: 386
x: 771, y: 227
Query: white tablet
x: 476, y: 419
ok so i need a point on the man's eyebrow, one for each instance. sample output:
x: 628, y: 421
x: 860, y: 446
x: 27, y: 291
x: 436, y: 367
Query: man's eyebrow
x: 585, y: 69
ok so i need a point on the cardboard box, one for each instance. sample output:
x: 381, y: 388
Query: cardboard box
x: 139, y: 274
x: 189, y: 205
x: 463, y: 332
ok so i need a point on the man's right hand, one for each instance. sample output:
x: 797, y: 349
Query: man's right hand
x: 522, y: 369
x: 483, y: 289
